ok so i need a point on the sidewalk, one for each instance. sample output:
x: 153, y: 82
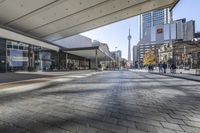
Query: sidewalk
x: 13, y: 80
x: 19, y: 76
x: 187, y: 76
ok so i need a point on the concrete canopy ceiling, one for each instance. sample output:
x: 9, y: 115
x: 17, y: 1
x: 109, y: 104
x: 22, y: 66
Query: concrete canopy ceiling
x: 52, y: 20
x: 89, y: 53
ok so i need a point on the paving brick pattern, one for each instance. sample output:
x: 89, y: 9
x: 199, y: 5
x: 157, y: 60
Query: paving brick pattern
x: 112, y: 102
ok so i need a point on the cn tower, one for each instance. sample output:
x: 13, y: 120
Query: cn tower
x: 129, y: 47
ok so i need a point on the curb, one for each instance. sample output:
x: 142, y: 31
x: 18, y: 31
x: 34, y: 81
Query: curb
x: 174, y: 76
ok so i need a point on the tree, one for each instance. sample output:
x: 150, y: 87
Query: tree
x: 149, y: 58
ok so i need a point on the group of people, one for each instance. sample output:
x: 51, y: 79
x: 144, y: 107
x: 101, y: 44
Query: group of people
x: 163, y: 67
x: 150, y: 68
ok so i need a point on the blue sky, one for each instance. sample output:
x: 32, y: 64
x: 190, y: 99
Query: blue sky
x: 115, y: 35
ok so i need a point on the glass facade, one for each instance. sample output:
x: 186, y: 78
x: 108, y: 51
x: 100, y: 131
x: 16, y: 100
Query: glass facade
x: 26, y: 57
x: 153, y: 18
x: 18, y: 56
x: 158, y: 17
x: 77, y: 63
x: 2, y: 55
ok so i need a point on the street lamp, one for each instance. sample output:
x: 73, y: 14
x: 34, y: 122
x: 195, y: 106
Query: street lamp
x: 116, y: 55
x: 170, y: 37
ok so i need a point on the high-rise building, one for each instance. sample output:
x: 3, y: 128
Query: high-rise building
x: 129, y: 47
x: 135, y: 56
x: 119, y: 53
x: 153, y: 18
x: 160, y: 34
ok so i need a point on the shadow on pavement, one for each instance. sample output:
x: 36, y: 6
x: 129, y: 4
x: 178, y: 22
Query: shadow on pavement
x: 83, y: 106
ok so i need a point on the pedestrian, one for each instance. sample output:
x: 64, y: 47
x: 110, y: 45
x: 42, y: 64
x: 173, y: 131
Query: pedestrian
x: 160, y: 66
x: 173, y: 68
x: 152, y: 68
x: 164, y: 67
x: 149, y: 68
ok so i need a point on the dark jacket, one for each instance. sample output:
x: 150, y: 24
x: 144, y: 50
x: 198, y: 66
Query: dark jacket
x: 165, y: 66
x: 173, y: 66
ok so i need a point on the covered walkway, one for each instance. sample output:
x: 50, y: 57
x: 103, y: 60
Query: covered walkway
x: 94, y: 54
x: 28, y: 29
x: 52, y: 20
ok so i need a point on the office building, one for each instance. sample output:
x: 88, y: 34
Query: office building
x: 119, y: 53
x: 135, y: 57
x: 160, y: 34
x: 153, y: 18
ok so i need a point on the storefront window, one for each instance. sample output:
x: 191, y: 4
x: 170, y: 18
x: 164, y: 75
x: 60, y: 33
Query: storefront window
x: 17, y: 57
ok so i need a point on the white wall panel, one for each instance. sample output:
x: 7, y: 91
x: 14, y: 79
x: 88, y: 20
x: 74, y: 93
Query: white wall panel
x: 21, y: 38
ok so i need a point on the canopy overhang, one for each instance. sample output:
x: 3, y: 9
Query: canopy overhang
x: 89, y: 53
x: 56, y: 19
x: 15, y: 36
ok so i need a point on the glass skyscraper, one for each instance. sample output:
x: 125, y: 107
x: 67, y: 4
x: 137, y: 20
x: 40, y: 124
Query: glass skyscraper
x: 153, y: 18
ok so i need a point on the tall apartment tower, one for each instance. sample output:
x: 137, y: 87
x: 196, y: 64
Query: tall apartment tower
x: 129, y: 47
x: 153, y: 18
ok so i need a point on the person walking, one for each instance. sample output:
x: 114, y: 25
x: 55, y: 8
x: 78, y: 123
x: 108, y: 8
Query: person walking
x: 173, y: 68
x: 160, y: 66
x: 152, y: 68
x: 149, y: 68
x: 164, y: 67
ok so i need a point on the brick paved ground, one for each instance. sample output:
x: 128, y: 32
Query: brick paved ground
x: 121, y: 102
x: 19, y: 76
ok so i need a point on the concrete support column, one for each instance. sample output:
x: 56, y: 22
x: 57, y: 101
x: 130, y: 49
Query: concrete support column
x: 29, y: 58
x: 111, y: 62
x: 6, y: 60
x: 79, y: 64
x: 106, y: 61
x: 59, y: 60
x: 66, y: 61
x: 85, y: 63
x: 89, y: 64
x: 96, y: 60
x: 41, y: 62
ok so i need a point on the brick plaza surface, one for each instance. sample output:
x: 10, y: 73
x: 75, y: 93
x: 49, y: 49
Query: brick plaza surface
x: 121, y: 102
